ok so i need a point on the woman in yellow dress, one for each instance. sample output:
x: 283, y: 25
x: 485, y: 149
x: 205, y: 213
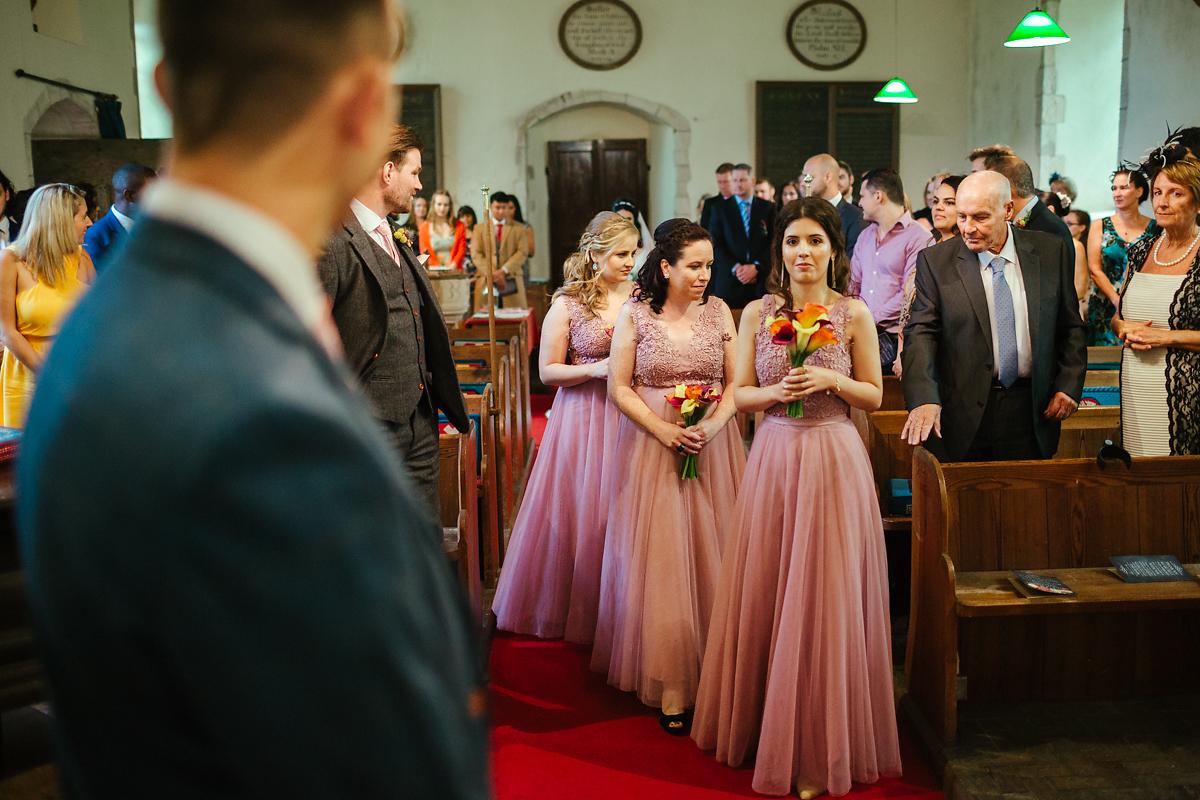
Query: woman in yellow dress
x: 42, y: 275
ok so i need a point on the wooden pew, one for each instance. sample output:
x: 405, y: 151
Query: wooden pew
x: 459, y: 494
x: 974, y: 522
x: 504, y: 409
x: 484, y: 415
x: 1106, y: 357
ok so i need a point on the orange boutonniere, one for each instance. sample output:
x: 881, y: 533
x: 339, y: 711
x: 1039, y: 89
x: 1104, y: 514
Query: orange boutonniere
x: 401, y: 236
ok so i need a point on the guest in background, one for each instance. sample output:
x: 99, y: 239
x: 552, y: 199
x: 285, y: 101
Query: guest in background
x: 885, y: 256
x: 629, y: 210
x: 665, y: 535
x: 1062, y: 185
x: 700, y: 206
x: 724, y: 192
x: 550, y: 584
x: 741, y: 238
x: 765, y: 190
x: 420, y: 212
x: 387, y: 316
x: 789, y: 193
x: 924, y: 217
x: 1107, y: 246
x: 1078, y: 222
x: 945, y: 226
x: 8, y: 225
x: 90, y: 199
x: 508, y: 259
x: 845, y: 181
x: 1029, y: 213
x: 979, y: 156
x: 798, y: 669
x: 994, y: 354
x: 515, y: 213
x: 128, y: 184
x: 1059, y: 204
x: 821, y: 179
x: 297, y: 632
x: 42, y: 275
x: 442, y: 238
x: 467, y: 217
x: 1159, y: 315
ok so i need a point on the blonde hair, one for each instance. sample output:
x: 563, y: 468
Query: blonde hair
x: 48, y: 232
x: 449, y: 201
x: 582, y: 269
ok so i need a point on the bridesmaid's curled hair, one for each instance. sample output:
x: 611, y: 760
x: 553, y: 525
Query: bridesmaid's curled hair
x: 671, y: 238
x: 582, y: 269
x: 822, y: 212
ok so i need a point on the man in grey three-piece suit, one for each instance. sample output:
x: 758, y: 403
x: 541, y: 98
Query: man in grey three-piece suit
x: 388, y: 318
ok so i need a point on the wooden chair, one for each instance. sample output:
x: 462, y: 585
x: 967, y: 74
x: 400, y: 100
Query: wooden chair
x: 974, y: 522
x: 459, y: 494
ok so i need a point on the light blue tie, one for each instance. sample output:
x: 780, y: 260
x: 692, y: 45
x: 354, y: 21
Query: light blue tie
x: 745, y: 207
x: 1006, y: 323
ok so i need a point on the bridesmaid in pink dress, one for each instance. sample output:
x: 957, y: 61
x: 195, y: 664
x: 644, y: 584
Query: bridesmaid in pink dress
x: 662, y: 549
x: 549, y: 585
x: 798, y: 668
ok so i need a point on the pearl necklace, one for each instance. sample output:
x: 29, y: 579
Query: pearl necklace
x: 1158, y: 245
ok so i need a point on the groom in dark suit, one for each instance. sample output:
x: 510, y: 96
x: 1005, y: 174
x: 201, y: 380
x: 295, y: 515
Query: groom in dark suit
x: 994, y: 352
x: 388, y: 318
x: 741, y: 228
x: 245, y: 598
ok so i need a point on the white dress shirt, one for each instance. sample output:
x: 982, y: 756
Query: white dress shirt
x: 1016, y: 285
x: 126, y: 222
x: 370, y: 221
x: 264, y: 244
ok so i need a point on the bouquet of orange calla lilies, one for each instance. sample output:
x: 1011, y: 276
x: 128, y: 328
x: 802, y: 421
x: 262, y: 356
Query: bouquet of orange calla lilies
x: 693, y: 401
x: 803, y: 333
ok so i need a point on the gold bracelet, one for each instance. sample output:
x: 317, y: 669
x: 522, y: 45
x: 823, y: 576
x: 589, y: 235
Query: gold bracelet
x: 837, y: 384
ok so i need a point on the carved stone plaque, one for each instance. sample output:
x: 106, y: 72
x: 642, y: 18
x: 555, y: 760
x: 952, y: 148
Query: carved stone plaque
x: 827, y: 34
x: 600, y: 34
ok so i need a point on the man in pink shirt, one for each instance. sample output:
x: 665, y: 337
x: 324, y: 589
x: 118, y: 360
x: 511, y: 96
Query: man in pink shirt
x: 885, y: 255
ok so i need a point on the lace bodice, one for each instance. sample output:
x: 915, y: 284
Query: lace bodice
x: 771, y: 361
x: 659, y: 362
x: 590, y: 337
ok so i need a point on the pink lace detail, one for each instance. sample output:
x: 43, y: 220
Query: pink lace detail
x: 590, y: 339
x: 659, y: 362
x: 771, y: 361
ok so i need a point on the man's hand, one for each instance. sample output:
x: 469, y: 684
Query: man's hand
x: 921, y: 421
x: 500, y: 279
x: 746, y: 273
x: 1060, y: 407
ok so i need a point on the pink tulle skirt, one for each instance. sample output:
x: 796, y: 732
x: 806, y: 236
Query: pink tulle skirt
x: 798, y: 668
x: 662, y: 558
x: 550, y: 582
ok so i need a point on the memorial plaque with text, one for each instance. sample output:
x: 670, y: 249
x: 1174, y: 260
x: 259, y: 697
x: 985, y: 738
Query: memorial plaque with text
x: 600, y: 34
x: 827, y: 34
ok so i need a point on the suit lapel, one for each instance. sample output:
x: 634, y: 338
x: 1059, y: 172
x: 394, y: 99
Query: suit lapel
x: 969, y: 274
x: 373, y: 256
x: 1031, y: 276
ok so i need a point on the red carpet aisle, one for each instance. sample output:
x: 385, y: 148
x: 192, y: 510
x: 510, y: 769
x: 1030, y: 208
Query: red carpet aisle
x: 559, y: 731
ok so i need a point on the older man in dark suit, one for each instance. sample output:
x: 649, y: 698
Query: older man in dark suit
x: 994, y: 353
x: 741, y: 228
x: 388, y: 318
x: 128, y: 184
x: 234, y: 584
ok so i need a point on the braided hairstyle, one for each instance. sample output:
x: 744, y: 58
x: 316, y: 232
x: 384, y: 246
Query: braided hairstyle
x: 671, y: 238
x: 582, y: 271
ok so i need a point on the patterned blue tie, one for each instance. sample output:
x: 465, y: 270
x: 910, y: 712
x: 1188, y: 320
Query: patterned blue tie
x: 745, y: 207
x: 1006, y: 323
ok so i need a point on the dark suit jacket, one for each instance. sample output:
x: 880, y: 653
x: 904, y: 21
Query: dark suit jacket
x: 1046, y: 221
x: 852, y: 224
x: 948, y: 342
x: 246, y: 599
x: 102, y: 238
x: 732, y: 246
x: 350, y: 273
x: 706, y: 210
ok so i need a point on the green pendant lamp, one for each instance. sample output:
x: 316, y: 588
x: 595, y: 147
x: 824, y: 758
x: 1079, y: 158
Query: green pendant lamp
x: 896, y: 90
x: 1037, y: 29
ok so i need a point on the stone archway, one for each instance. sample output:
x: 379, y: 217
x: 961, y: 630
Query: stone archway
x: 654, y: 112
x: 58, y: 115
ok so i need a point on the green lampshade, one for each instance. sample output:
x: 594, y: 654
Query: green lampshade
x: 1037, y: 29
x: 896, y: 91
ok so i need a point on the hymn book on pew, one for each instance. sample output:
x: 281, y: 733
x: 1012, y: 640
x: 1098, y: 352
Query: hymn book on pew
x: 1149, y: 569
x: 1030, y: 584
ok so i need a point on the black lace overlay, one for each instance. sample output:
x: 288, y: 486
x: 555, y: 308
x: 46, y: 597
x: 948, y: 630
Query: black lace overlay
x: 1183, y: 366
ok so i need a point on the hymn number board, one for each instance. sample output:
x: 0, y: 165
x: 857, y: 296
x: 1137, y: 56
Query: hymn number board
x: 421, y: 110
x: 798, y: 119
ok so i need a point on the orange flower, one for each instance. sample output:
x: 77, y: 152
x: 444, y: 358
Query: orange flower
x: 810, y: 314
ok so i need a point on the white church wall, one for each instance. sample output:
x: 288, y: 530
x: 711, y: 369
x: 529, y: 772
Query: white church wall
x: 102, y: 60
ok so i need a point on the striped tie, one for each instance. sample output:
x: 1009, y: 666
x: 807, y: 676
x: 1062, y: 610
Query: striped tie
x: 1006, y: 323
x: 745, y: 207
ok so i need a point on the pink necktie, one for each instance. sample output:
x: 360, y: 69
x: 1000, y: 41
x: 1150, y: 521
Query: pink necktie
x: 388, y: 244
